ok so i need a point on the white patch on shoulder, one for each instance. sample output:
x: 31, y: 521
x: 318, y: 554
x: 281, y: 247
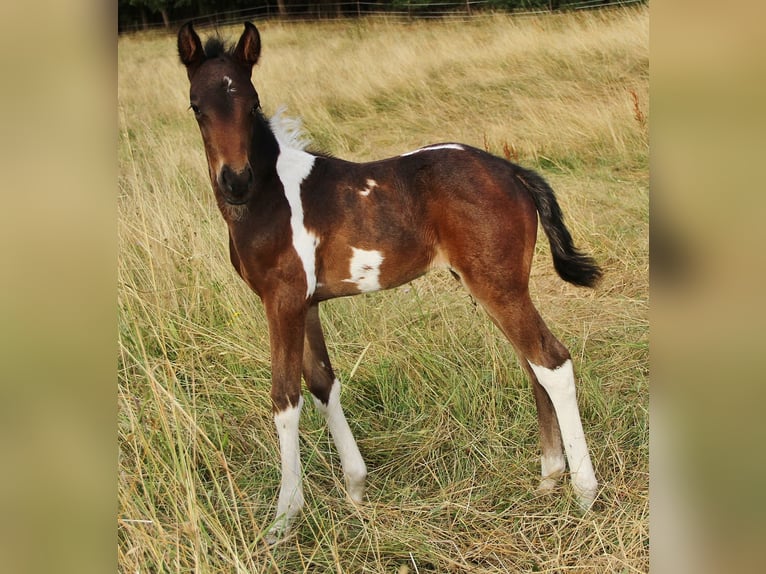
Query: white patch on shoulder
x: 434, y: 148
x: 293, y: 166
x: 371, y: 185
x: 364, y: 269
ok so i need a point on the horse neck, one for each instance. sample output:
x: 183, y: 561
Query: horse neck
x: 264, y: 150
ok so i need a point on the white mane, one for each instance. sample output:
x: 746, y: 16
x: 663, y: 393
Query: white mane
x: 288, y: 131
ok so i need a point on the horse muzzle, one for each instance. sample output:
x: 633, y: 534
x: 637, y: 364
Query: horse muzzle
x: 236, y: 186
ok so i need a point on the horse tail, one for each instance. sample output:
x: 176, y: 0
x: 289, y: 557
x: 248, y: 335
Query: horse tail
x: 570, y: 263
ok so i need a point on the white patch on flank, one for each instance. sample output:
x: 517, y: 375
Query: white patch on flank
x: 364, y: 269
x: 371, y: 185
x: 291, y: 489
x: 228, y: 82
x: 293, y: 166
x: 559, y: 383
x: 435, y: 147
x: 354, y: 469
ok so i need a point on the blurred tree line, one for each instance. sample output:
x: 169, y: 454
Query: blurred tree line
x: 143, y: 14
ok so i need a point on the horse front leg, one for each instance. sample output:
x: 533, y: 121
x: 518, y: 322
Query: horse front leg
x: 326, y: 390
x: 287, y: 321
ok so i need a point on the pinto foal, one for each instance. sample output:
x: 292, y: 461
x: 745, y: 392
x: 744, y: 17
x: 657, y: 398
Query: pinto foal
x: 305, y: 227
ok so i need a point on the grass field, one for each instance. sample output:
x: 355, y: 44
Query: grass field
x: 443, y: 414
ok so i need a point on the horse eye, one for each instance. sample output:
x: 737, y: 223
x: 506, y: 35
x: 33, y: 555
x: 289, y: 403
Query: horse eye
x: 255, y: 109
x: 195, y: 109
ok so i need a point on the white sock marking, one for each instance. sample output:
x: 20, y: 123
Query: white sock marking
x: 560, y: 385
x: 354, y: 469
x: 552, y: 466
x: 293, y: 166
x: 291, y: 489
x: 434, y: 147
x: 551, y: 469
x: 364, y: 269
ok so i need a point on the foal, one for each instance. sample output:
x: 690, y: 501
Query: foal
x: 304, y: 228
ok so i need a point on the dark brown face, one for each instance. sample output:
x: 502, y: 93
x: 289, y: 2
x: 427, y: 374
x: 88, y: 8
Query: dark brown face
x: 225, y: 104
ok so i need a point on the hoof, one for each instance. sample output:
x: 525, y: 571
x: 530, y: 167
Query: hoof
x: 355, y: 491
x: 586, y: 496
x: 276, y: 535
x: 278, y: 531
x: 547, y: 485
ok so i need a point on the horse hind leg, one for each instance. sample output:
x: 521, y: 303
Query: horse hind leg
x: 549, y: 366
x: 559, y: 383
x: 325, y: 389
x: 552, y: 461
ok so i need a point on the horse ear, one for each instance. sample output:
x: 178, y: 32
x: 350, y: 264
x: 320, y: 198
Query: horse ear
x: 190, y: 48
x: 248, y: 48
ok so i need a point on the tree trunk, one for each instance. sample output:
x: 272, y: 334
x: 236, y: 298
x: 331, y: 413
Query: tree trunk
x: 165, y: 17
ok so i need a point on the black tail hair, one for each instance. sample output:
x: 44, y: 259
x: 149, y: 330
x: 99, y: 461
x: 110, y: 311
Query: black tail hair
x: 570, y: 263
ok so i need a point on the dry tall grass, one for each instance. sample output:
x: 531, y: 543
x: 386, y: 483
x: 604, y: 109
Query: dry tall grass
x: 442, y: 413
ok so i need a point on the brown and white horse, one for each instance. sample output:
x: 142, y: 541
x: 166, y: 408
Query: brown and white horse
x: 305, y: 227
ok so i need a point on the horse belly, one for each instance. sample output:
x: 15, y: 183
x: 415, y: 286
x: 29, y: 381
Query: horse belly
x: 368, y: 268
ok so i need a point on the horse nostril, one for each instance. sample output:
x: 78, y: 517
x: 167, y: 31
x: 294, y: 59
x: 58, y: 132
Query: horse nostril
x: 227, y: 177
